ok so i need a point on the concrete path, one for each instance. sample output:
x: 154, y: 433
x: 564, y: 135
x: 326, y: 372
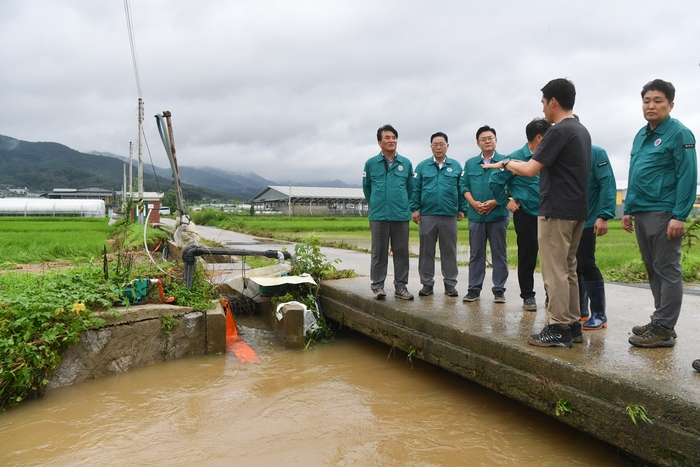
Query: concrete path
x: 662, y: 380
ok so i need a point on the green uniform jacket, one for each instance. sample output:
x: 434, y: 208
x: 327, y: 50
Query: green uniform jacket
x: 475, y: 179
x: 663, y: 170
x: 388, y: 191
x: 525, y: 190
x: 436, y: 191
x: 602, y: 191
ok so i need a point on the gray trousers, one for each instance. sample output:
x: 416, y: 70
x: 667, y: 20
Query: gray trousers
x: 662, y: 258
x: 495, y: 233
x: 385, y: 233
x: 431, y: 230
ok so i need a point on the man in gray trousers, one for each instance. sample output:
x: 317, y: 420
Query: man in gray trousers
x: 436, y: 206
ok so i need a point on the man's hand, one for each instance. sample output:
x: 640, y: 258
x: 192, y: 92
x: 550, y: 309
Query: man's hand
x: 512, y: 205
x: 488, y: 206
x: 627, y: 223
x: 460, y: 216
x: 600, y: 227
x: 675, y: 228
x: 416, y: 217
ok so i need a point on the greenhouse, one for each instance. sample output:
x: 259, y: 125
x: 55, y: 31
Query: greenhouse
x: 32, y: 207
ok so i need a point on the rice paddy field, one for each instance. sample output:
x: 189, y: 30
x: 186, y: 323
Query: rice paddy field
x: 36, y: 240
x: 617, y: 253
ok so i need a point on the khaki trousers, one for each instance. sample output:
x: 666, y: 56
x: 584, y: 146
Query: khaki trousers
x: 558, y: 240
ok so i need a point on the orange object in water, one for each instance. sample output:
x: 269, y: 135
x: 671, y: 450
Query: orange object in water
x: 234, y: 343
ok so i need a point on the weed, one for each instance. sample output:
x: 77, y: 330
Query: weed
x: 635, y: 411
x: 563, y: 407
x: 167, y: 324
x: 411, y: 353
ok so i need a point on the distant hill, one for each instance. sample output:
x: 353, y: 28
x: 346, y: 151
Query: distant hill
x: 43, y: 166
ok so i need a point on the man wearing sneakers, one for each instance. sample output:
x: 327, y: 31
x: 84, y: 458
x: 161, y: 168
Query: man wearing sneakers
x: 437, y: 206
x: 563, y: 160
x: 387, y: 182
x: 660, y: 195
x: 525, y: 204
x: 488, y: 220
x: 602, y: 194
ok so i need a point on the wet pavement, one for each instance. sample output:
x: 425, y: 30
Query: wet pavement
x: 480, y: 340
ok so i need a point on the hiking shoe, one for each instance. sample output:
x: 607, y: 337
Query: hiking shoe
x: 425, y: 291
x: 379, y: 294
x: 552, y: 335
x: 640, y: 330
x: 529, y: 304
x: 655, y: 336
x: 472, y: 296
x: 450, y: 291
x: 576, y: 334
x: 584, y: 318
x: 696, y: 365
x: 499, y: 297
x: 403, y: 294
x: 595, y: 323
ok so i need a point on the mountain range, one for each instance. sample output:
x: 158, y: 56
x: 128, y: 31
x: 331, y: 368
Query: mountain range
x: 43, y: 166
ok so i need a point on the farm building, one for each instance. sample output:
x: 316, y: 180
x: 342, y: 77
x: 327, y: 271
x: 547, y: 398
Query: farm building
x: 31, y: 207
x: 312, y: 201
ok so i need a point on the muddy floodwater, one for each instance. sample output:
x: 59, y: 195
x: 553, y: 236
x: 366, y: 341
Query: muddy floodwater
x: 352, y: 402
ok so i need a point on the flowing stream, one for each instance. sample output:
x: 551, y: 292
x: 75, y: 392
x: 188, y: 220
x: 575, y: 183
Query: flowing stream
x: 352, y: 402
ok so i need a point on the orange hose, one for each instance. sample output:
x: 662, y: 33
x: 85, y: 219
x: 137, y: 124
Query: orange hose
x: 234, y: 343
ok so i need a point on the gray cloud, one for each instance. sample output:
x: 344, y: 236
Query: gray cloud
x: 295, y: 90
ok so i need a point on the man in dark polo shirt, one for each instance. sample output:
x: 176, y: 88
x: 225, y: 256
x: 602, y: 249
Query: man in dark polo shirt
x: 563, y: 161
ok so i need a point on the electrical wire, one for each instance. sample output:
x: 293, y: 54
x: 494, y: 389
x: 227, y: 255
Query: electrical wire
x: 132, y: 42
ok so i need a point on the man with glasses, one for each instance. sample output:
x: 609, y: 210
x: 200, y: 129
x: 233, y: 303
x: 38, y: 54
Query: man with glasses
x: 488, y: 220
x: 387, y: 182
x: 437, y: 206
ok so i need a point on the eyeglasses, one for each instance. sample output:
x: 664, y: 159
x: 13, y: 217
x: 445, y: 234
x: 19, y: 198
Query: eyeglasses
x: 486, y: 139
x: 438, y: 145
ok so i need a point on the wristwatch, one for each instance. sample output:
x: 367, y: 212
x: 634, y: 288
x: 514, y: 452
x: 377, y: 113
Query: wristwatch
x: 505, y: 162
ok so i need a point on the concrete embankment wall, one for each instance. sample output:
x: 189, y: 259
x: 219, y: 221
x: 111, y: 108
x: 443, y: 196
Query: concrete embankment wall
x: 487, y: 346
x: 139, y: 336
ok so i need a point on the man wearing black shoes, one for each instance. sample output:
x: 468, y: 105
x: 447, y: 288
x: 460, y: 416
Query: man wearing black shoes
x: 563, y: 161
x: 661, y: 191
x: 437, y: 206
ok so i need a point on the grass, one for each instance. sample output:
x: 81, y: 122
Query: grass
x: 39, y: 240
x: 617, y: 254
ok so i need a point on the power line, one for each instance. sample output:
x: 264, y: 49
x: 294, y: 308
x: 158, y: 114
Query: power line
x: 134, y: 60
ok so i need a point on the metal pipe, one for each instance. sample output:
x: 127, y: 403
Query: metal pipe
x: 189, y: 257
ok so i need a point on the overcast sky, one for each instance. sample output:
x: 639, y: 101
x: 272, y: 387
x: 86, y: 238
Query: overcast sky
x: 295, y: 90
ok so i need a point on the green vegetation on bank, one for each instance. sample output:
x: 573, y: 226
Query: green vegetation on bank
x: 617, y: 253
x: 41, y: 314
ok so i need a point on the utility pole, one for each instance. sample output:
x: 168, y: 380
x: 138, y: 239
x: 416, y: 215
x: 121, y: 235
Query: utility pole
x: 289, y: 202
x: 124, y: 190
x: 131, y: 167
x: 140, y: 174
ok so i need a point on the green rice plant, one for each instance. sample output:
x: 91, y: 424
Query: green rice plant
x: 40, y: 240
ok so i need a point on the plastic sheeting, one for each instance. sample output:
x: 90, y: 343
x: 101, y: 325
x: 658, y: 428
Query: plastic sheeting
x: 28, y: 207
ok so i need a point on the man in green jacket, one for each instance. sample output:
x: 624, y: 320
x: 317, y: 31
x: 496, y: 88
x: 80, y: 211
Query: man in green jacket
x: 436, y: 206
x: 661, y: 191
x: 525, y: 205
x: 387, y: 182
x: 602, y: 193
x: 488, y: 220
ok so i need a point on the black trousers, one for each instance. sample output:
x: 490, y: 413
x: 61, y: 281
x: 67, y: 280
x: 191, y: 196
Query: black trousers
x: 585, y: 257
x: 526, y: 232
